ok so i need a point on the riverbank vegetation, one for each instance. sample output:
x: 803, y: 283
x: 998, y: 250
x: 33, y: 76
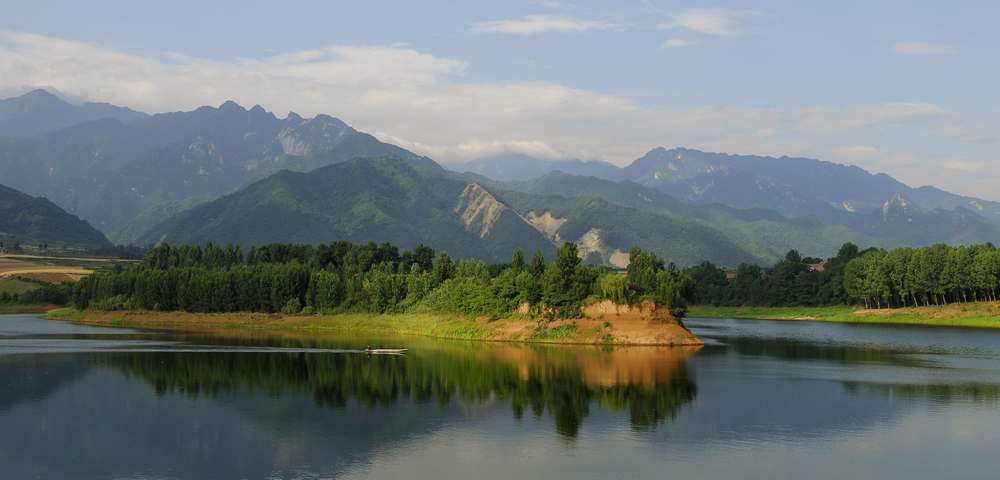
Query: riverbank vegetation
x: 973, y: 314
x: 26, y: 296
x: 346, y: 278
x: 874, y: 278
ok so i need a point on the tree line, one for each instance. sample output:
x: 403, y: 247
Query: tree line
x: 376, y: 278
x: 45, y: 294
x: 795, y: 280
x: 876, y: 278
x: 935, y: 275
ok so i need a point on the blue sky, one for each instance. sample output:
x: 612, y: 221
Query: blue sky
x: 902, y: 87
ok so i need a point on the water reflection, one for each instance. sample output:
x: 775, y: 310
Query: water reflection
x: 762, y: 400
x: 650, y: 384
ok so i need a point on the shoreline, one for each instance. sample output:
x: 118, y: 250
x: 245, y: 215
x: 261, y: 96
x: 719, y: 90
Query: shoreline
x: 964, y: 315
x: 616, y: 330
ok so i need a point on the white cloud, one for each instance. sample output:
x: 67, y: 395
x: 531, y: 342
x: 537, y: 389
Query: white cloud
x: 709, y: 21
x: 920, y: 48
x: 423, y: 102
x: 542, y: 23
x: 676, y: 43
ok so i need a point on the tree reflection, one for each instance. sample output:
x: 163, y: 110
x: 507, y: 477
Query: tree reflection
x: 651, y: 384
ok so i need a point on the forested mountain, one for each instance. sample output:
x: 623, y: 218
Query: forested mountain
x: 794, y: 187
x: 764, y: 233
x: 109, y: 172
x: 27, y: 220
x: 38, y: 112
x: 387, y: 199
x: 379, y: 199
x: 769, y: 235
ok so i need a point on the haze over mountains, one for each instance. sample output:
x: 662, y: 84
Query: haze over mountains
x: 215, y: 174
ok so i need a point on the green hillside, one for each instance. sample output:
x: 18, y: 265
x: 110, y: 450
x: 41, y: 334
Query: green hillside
x: 392, y: 200
x: 28, y: 220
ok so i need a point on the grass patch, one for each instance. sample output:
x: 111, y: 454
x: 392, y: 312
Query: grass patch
x: 13, y: 285
x: 980, y: 315
x: 555, y: 333
x: 68, y: 313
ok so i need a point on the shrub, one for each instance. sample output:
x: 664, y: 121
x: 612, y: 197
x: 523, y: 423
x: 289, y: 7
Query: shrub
x: 614, y: 287
x: 294, y: 306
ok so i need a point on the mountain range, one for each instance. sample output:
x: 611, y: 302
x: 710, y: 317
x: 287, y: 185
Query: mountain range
x: 229, y: 174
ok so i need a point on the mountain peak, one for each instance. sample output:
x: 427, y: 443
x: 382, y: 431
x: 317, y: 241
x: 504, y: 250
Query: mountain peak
x: 36, y: 99
x: 231, y: 106
x: 41, y: 93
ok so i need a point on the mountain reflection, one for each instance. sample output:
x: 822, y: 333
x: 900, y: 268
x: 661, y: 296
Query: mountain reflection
x: 651, y: 384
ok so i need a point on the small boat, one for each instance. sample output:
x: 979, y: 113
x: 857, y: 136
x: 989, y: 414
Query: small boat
x: 385, y: 351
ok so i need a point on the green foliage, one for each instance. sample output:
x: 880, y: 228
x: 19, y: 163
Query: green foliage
x: 664, y: 284
x: 293, y: 307
x: 934, y: 275
x: 614, y: 287
x: 937, y: 275
x: 792, y: 281
x: 28, y: 293
x: 342, y: 277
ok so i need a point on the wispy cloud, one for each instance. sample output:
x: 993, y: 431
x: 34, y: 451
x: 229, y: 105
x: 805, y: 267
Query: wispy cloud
x: 708, y: 21
x: 921, y: 48
x: 542, y: 23
x: 676, y: 43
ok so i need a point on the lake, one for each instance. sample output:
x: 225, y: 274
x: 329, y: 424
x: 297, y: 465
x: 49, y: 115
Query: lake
x: 761, y: 400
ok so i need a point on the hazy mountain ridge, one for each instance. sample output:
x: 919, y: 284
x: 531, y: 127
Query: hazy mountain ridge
x: 39, y: 112
x: 28, y: 220
x: 768, y: 234
x: 792, y: 186
x: 109, y: 172
x: 518, y: 167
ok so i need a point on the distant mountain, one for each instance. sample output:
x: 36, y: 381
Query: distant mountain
x: 791, y: 186
x: 28, y: 220
x: 110, y: 172
x: 380, y: 200
x: 768, y: 234
x: 764, y: 233
x: 516, y: 167
x: 38, y: 112
x: 387, y: 199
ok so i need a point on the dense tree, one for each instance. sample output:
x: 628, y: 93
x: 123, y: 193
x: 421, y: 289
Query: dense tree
x: 934, y: 275
x: 373, y: 278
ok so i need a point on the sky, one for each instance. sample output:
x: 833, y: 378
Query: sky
x: 902, y: 87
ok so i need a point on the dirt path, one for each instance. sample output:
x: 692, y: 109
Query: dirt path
x: 10, y: 268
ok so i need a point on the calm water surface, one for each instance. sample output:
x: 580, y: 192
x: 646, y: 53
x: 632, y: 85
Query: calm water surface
x: 762, y: 400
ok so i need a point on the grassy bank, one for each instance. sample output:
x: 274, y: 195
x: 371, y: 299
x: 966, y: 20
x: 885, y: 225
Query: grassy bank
x: 980, y: 315
x: 575, y: 331
x: 12, y: 308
